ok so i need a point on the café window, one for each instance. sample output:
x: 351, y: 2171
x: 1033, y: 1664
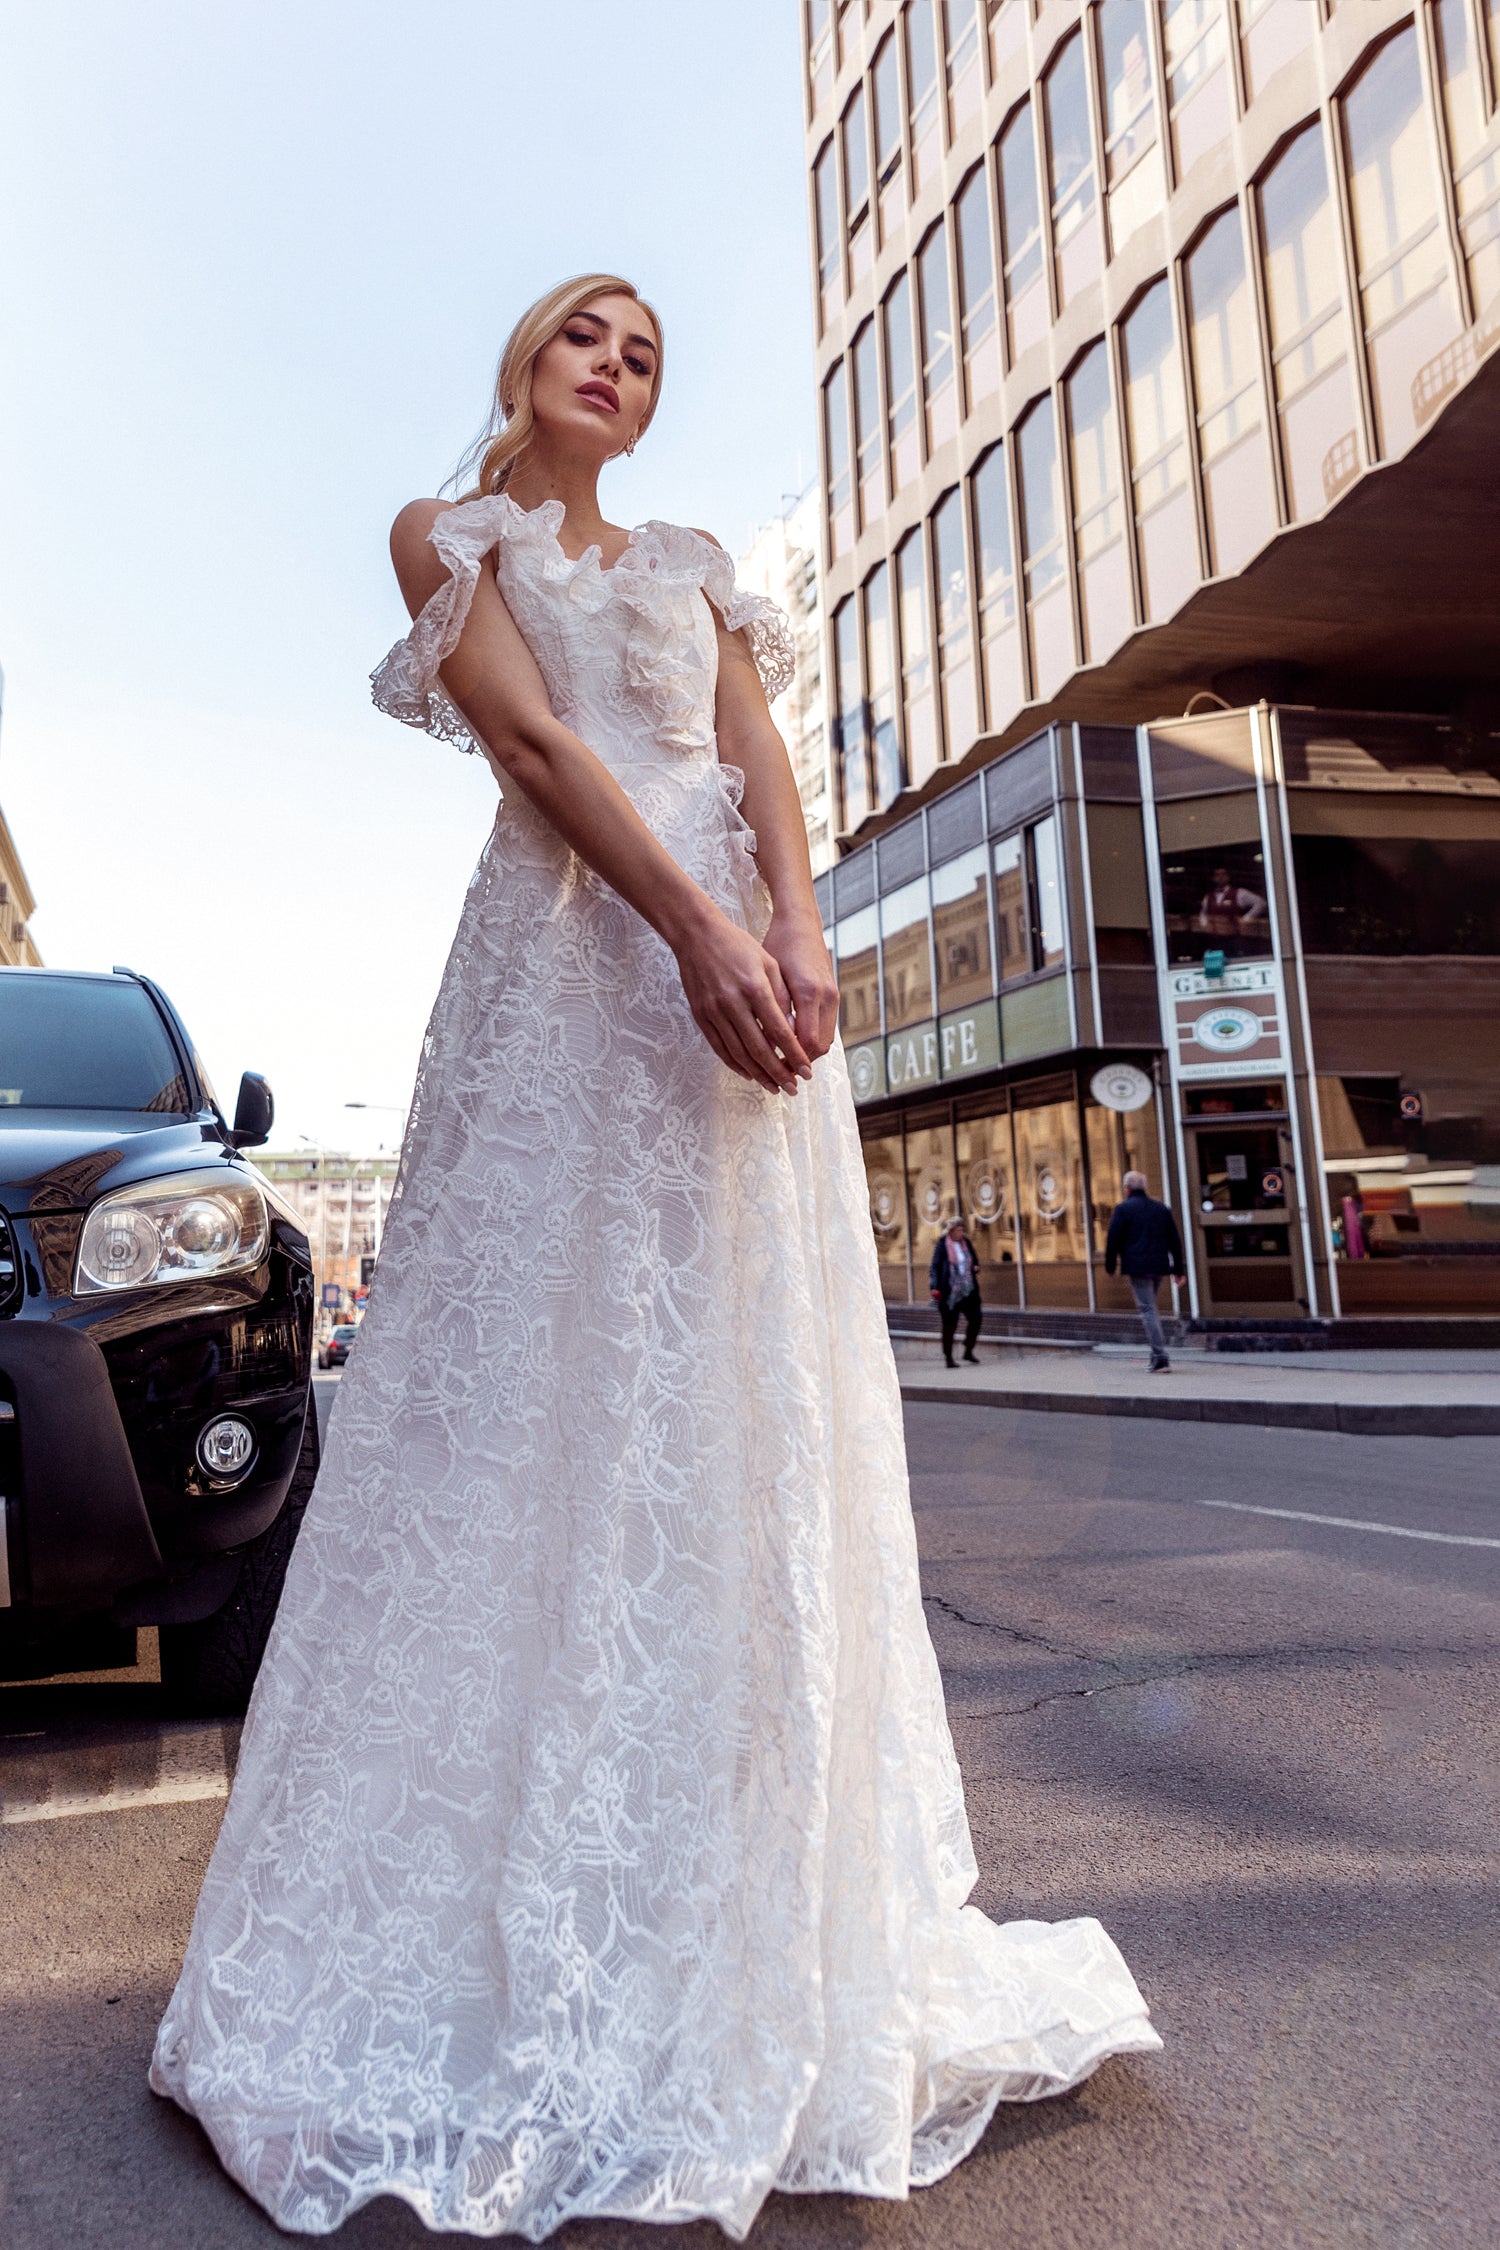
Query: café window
x: 1049, y: 1185
x: 961, y: 930
x: 1272, y: 34
x: 1132, y: 160
x: 819, y: 51
x: 1309, y: 343
x: 826, y: 219
x: 856, y: 940
x: 906, y: 954
x: 987, y: 1194
x: 955, y: 639
x: 1397, y: 893
x: 867, y: 426
x: 1213, y: 874
x: 840, y: 475
x: 885, y: 1174
x: 1044, y: 561
x: 1026, y: 310
x: 880, y: 670
x: 976, y: 290
x: 922, y: 93
x: 938, y: 386
x: 1474, y: 148
x: 885, y: 101
x: 857, y: 189
x: 901, y: 385
x: 917, y: 704
x: 961, y: 60
x: 1156, y: 420
x: 1198, y: 99
x: 1226, y: 379
x: 1070, y: 160
x: 999, y: 626
x: 1406, y: 296
x: 1098, y: 511
x: 848, y: 689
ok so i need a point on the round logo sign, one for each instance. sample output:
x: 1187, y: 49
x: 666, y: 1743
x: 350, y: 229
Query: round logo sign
x: 885, y: 1202
x: 984, y: 1192
x: 1120, y: 1087
x: 929, y: 1196
x: 1228, y: 1031
x: 1049, y: 1187
x: 1272, y: 1184
x: 1411, y: 1105
x: 864, y: 1073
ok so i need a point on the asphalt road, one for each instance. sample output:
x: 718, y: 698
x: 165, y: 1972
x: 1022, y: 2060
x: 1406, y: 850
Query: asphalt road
x: 1262, y: 1749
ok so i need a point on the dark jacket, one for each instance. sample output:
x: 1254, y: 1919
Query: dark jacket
x: 941, y: 1277
x: 1143, y: 1238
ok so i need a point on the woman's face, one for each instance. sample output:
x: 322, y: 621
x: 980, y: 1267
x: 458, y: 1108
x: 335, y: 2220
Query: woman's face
x: 591, y: 385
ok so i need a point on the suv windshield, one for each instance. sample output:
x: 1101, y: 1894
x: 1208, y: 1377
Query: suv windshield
x: 81, y: 1043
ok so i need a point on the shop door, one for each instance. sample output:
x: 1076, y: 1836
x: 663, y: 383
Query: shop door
x: 1246, y: 1240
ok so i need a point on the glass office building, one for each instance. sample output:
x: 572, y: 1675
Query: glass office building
x: 1157, y: 376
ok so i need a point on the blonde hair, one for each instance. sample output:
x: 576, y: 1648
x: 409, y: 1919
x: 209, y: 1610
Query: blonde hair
x: 487, y: 464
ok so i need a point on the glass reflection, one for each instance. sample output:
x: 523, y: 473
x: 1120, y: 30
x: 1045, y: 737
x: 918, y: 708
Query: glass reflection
x: 1309, y: 351
x: 1098, y: 519
x: 1198, y: 99
x: 922, y: 84
x: 849, y: 702
x: 937, y: 339
x: 901, y: 377
x: 859, y: 978
x: 840, y: 479
x: 1075, y: 233
x: 999, y: 627
x: 830, y: 257
x: 1272, y: 34
x: 1042, y: 545
x: 867, y: 426
x: 1021, y: 235
x: 976, y: 291
x: 880, y: 669
x: 955, y: 647
x: 857, y: 188
x: 1012, y: 923
x: 1213, y: 874
x: 961, y: 45
x: 1156, y: 419
x: 1226, y: 376
x: 1132, y: 168
x: 961, y: 929
x: 1049, y: 1182
x: 1047, y: 898
x: 916, y: 660
x: 987, y: 1199
x: 1474, y: 150
x: 819, y: 51
x: 885, y: 95
x: 907, y: 954
x: 885, y: 1175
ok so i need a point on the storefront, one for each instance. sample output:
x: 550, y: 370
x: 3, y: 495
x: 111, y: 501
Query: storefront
x: 1255, y: 956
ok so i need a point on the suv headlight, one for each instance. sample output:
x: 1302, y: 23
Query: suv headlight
x: 190, y: 1227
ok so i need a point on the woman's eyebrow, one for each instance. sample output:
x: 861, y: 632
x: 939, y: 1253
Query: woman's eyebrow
x: 646, y: 340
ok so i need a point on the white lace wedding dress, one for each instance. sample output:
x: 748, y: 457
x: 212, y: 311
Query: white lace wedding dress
x: 597, y: 1844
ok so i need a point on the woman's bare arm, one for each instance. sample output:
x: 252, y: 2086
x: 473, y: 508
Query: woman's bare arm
x: 735, y: 989
x: 748, y: 739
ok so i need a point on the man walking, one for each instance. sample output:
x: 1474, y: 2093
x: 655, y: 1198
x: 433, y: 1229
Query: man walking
x: 1144, y: 1243
x: 953, y: 1278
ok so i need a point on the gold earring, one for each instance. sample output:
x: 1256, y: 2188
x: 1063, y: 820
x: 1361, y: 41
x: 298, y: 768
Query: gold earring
x: 630, y: 444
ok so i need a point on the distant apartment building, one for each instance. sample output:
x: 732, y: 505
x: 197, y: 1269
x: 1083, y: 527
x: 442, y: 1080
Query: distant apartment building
x: 782, y: 561
x: 1160, y: 424
x: 342, y: 1202
x: 17, y: 905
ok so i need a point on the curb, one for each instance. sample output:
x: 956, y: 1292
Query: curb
x: 1280, y: 1414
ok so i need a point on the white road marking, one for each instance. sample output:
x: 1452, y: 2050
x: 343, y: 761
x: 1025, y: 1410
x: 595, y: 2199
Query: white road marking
x: 1353, y: 1523
x: 189, y: 1768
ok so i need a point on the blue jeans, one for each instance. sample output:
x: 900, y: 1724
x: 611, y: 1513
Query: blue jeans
x: 1143, y: 1287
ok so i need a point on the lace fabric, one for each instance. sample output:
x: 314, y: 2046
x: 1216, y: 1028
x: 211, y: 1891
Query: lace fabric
x: 597, y: 1845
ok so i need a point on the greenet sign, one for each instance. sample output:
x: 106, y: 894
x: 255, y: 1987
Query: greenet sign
x: 955, y: 1046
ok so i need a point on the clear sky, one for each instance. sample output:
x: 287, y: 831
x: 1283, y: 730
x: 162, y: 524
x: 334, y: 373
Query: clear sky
x: 256, y: 264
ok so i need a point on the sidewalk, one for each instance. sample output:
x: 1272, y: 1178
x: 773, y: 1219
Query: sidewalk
x: 1369, y: 1394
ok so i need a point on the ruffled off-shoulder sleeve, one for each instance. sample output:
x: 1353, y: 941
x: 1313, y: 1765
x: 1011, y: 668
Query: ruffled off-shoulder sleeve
x: 406, y: 684
x: 766, y: 628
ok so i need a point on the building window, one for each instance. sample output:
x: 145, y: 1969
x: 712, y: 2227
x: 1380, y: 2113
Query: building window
x: 867, y: 426
x: 961, y: 58
x: 840, y: 479
x: 1132, y: 160
x: 1012, y: 924
x: 1028, y: 901
x: 976, y: 290
x: 1046, y: 571
x: 1405, y: 292
x: 999, y: 627
x: 885, y: 91
x: 1070, y: 158
x: 819, y: 52
x: 955, y: 637
x: 851, y: 720
x: 1021, y: 235
x: 857, y: 189
x: 826, y: 210
x: 1049, y: 1193
x: 922, y: 92
x: 856, y: 940
x: 939, y: 388
x: 916, y: 661
x: 1198, y: 100
x: 901, y: 386
x: 906, y: 956
x: 880, y: 674
x: 850, y: 13
x: 1156, y: 420
x: 1272, y: 34
x: 1226, y: 379
x: 1046, y: 894
x: 1007, y: 32
x: 961, y: 929
x: 1309, y: 346
x: 1098, y: 514
x: 1476, y: 166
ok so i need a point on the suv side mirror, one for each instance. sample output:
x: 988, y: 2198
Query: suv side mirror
x: 254, y: 1112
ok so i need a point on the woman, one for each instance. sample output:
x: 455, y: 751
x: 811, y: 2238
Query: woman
x: 597, y: 1845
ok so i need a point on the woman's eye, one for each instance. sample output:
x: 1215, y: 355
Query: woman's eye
x: 637, y: 367
x: 575, y: 336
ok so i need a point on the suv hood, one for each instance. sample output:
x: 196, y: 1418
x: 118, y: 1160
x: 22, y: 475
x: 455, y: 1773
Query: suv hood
x: 61, y: 1159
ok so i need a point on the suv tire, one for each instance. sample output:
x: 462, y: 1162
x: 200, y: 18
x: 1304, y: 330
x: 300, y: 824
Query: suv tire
x: 208, y: 1668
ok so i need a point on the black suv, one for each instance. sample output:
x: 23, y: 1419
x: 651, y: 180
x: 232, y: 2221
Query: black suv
x: 157, y: 1445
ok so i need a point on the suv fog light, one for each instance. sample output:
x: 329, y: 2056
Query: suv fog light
x: 227, y: 1446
